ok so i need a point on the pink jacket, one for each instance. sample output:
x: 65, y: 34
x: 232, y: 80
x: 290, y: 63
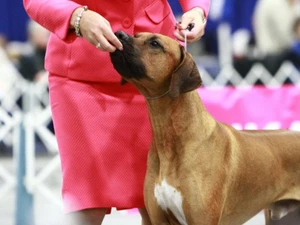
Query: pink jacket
x: 77, y: 59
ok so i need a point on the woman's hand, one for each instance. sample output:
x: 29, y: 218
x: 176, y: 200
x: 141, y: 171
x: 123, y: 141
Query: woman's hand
x: 194, y: 16
x: 97, y: 30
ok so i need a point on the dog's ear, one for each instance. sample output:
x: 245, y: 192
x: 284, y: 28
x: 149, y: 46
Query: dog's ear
x: 186, y: 76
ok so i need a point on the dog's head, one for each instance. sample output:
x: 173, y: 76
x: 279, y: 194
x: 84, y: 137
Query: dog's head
x: 155, y: 64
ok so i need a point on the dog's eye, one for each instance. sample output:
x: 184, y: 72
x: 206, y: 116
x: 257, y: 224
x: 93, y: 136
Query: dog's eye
x: 154, y: 44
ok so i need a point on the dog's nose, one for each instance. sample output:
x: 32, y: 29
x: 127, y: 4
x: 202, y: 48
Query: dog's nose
x: 122, y: 35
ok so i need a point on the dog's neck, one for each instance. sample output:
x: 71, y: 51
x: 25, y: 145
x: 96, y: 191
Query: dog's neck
x: 166, y: 115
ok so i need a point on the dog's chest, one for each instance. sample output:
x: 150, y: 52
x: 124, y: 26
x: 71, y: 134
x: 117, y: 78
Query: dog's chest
x: 169, y: 198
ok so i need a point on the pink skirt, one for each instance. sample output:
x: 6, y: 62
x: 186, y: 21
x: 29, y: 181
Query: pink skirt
x: 103, y: 134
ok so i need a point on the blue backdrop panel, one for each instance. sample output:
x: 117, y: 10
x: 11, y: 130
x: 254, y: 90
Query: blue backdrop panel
x: 13, y: 20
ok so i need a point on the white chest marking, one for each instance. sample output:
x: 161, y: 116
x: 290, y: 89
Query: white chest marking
x: 168, y: 197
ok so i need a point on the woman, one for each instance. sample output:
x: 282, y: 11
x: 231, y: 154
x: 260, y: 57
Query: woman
x: 102, y: 128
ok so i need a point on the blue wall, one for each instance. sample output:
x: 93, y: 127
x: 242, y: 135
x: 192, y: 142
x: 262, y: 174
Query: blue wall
x: 13, y: 20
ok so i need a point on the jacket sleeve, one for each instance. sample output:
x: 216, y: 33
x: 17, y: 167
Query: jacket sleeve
x: 54, y: 15
x: 189, y: 4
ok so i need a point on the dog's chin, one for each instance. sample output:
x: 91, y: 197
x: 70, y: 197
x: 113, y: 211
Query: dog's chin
x: 120, y: 63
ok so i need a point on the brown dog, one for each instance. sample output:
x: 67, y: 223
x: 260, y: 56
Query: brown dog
x: 200, y: 171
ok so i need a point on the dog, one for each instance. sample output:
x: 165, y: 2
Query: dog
x: 201, y: 171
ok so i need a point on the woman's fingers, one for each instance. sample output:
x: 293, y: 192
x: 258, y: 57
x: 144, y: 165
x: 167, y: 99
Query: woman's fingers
x: 195, y: 17
x: 97, y: 30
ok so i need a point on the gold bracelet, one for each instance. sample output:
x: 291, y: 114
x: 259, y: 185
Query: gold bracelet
x: 77, y: 22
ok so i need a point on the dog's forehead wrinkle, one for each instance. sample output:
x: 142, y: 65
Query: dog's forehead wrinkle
x: 153, y: 38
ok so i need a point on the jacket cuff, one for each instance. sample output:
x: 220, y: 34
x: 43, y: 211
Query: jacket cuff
x: 188, y: 5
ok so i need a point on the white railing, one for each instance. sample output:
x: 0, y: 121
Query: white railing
x: 258, y: 72
x: 34, y: 115
x: 36, y: 119
x: 9, y: 116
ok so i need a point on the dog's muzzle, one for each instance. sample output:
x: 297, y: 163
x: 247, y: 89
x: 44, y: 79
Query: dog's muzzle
x: 128, y: 61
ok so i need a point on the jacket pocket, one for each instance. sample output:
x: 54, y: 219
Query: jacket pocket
x: 158, y: 11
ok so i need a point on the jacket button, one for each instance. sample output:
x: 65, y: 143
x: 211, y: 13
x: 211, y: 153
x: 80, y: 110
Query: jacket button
x: 126, y: 22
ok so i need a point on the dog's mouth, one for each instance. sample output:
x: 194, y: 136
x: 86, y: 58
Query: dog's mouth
x: 128, y: 61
